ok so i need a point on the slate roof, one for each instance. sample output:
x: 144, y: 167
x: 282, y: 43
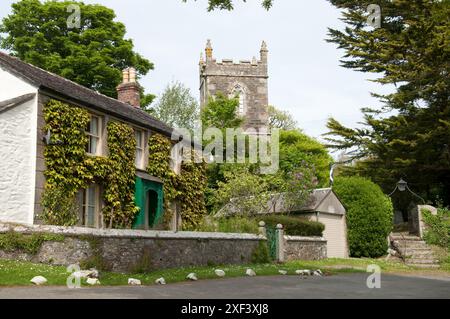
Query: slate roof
x: 82, y: 95
x: 276, y: 204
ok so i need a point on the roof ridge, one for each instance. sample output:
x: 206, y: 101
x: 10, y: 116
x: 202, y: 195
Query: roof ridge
x: 21, y: 67
x: 70, y: 81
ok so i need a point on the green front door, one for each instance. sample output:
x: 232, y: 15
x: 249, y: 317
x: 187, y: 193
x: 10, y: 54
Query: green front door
x: 149, y: 198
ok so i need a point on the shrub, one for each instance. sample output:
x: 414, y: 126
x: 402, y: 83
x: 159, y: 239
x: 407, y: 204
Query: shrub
x: 438, y: 232
x: 369, y: 216
x: 294, y: 226
x: 237, y: 224
x: 12, y: 241
x: 260, y: 254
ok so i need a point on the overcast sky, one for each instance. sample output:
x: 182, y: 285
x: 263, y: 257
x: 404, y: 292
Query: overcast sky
x: 305, y: 76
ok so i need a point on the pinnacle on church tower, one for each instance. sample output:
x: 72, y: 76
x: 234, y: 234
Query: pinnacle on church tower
x: 209, y: 50
x: 264, y: 52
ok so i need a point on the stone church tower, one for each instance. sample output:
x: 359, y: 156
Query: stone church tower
x: 246, y: 79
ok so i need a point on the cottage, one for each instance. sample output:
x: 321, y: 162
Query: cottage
x: 24, y: 92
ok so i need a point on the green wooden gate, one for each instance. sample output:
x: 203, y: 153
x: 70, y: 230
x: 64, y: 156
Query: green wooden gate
x: 272, y: 241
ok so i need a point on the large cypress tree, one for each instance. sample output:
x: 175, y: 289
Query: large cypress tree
x: 409, y: 136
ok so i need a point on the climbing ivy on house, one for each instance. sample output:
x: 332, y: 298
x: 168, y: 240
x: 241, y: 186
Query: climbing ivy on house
x: 70, y: 169
x: 192, y: 184
x: 159, y: 166
x: 120, y: 209
x: 187, y: 188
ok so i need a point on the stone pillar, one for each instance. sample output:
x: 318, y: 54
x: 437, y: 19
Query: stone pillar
x: 280, y: 243
x: 262, y: 229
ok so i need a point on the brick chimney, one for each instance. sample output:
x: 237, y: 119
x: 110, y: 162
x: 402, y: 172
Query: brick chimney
x: 129, y: 90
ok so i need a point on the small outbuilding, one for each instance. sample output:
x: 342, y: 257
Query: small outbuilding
x: 325, y: 207
x: 322, y: 206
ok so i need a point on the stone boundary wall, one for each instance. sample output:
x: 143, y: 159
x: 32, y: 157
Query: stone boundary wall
x: 130, y: 250
x: 304, y: 248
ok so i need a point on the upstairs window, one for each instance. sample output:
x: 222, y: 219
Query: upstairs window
x: 140, y: 148
x: 93, y: 130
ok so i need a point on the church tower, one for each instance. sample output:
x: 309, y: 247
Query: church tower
x: 246, y: 79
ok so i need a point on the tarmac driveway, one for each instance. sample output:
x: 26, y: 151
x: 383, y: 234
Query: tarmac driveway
x: 275, y: 287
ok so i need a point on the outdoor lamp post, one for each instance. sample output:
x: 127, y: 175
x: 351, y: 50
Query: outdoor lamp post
x: 402, y: 185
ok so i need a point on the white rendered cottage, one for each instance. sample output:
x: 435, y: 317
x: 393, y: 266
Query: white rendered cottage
x: 24, y: 89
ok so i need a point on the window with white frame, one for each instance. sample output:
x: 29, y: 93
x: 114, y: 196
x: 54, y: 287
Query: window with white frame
x: 93, y: 132
x: 140, y: 148
x: 90, y: 206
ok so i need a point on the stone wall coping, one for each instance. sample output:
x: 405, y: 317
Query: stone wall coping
x: 124, y: 233
x: 301, y: 238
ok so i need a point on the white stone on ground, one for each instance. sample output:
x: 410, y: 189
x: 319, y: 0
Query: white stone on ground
x: 304, y: 272
x: 220, y: 272
x: 160, y: 281
x: 134, y: 282
x: 282, y: 272
x: 39, y: 280
x: 250, y: 272
x: 93, y: 281
x: 317, y: 273
x: 192, y: 276
x: 93, y: 273
x: 83, y: 274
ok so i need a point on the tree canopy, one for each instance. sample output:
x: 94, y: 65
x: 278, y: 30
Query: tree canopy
x: 297, y: 150
x: 409, y: 136
x: 177, y: 107
x: 228, y: 4
x: 92, y: 55
x: 281, y: 119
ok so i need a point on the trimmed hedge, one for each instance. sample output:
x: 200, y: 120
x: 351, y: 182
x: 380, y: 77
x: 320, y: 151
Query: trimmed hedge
x: 294, y: 226
x: 369, y: 215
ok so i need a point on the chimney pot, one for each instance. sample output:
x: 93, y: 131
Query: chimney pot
x: 129, y: 90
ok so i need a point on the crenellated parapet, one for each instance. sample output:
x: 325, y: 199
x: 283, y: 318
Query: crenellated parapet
x: 247, y: 79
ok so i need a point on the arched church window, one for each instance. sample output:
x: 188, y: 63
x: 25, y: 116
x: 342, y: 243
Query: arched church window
x: 238, y: 92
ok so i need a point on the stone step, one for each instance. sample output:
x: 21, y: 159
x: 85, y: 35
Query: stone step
x: 410, y: 242
x: 421, y: 261
x: 408, y: 238
x: 418, y: 256
x: 413, y: 246
x: 428, y: 266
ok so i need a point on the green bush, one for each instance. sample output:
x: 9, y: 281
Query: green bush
x: 260, y: 254
x: 237, y: 224
x: 438, y: 232
x: 369, y: 216
x: 13, y: 241
x: 294, y: 226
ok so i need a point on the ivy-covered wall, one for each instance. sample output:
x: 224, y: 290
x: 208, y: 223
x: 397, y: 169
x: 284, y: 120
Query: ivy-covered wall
x: 70, y: 169
x: 187, y: 188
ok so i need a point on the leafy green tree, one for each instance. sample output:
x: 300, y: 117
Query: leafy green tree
x: 92, y: 55
x: 369, y: 216
x: 221, y: 112
x: 228, y: 4
x: 177, y: 107
x: 412, y: 51
x: 281, y: 119
x: 298, y: 150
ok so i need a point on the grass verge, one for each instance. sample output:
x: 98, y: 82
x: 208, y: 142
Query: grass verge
x: 19, y: 273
